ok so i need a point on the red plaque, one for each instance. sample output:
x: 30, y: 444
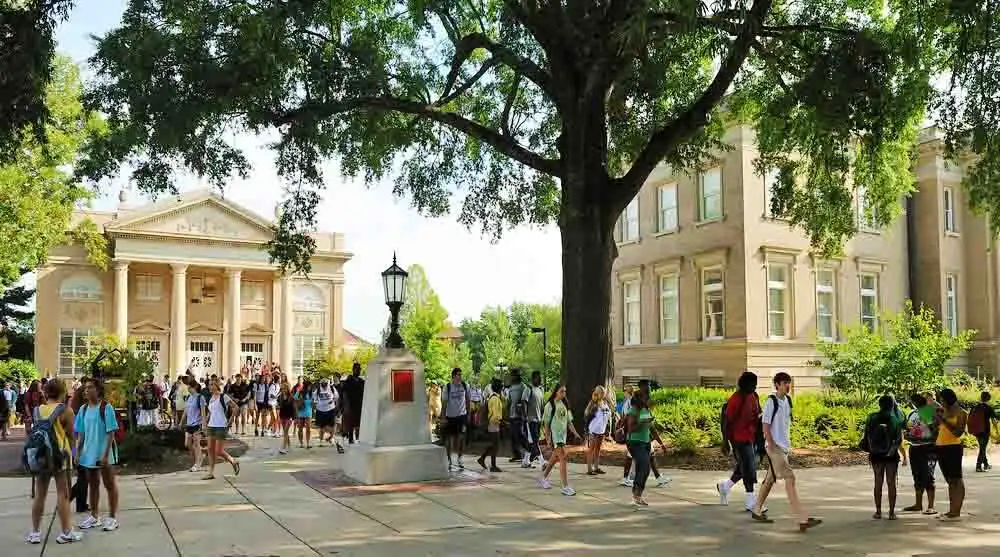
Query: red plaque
x: 402, y: 385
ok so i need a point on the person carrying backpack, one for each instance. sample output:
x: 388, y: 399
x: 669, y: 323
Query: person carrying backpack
x: 882, y: 437
x: 740, y: 432
x: 455, y: 418
x: 47, y: 456
x: 494, y: 415
x: 97, y: 424
x: 982, y: 420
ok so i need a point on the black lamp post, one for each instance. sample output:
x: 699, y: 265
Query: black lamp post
x: 394, y: 283
x: 545, y: 348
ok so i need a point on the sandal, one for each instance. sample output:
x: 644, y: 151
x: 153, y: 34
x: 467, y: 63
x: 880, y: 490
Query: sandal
x: 208, y: 477
x: 892, y: 516
x: 599, y: 471
x: 929, y: 511
x: 812, y: 522
x: 877, y: 516
x: 913, y: 509
x: 591, y: 473
x: 236, y: 467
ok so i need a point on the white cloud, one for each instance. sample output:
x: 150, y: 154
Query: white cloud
x: 466, y: 270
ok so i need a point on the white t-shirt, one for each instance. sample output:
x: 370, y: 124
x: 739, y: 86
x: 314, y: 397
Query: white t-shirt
x: 217, y: 412
x: 475, y: 394
x: 272, y: 394
x: 326, y: 399
x: 781, y: 423
x: 599, y: 423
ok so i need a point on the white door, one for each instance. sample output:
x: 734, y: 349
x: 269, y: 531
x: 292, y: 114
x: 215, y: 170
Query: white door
x: 151, y: 347
x: 201, y: 358
x: 252, y: 355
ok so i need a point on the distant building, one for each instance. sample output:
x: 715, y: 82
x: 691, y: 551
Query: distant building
x: 707, y: 283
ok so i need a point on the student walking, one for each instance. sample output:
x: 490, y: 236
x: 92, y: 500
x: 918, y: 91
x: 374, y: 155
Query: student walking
x: 327, y: 399
x: 53, y: 408
x: 533, y: 397
x: 494, y: 415
x: 882, y: 438
x: 261, y: 408
x: 640, y: 434
x: 286, y: 413
x: 920, y: 434
x: 98, y: 454
x: 951, y: 420
x: 519, y: 450
x: 558, y: 420
x: 193, y: 410
x: 304, y: 411
x: 215, y: 414
x: 661, y: 480
x: 597, y: 415
x: 741, y: 432
x: 455, y: 417
x: 982, y: 420
x: 777, y: 419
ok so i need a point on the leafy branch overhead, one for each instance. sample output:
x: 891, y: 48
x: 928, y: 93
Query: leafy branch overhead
x: 532, y: 111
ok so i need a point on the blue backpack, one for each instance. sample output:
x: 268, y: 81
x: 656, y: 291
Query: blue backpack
x: 41, y: 454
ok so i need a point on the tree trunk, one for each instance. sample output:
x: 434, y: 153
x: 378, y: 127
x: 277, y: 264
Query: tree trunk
x: 588, y: 251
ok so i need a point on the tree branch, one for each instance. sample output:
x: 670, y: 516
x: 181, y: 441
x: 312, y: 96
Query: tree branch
x: 508, y: 105
x: 524, y: 66
x: 694, y: 118
x: 448, y: 95
x: 502, y: 144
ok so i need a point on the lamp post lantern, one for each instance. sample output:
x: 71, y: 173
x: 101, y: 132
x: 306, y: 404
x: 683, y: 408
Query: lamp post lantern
x: 394, y: 284
x: 545, y: 349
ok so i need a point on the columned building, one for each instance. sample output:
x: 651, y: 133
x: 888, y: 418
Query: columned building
x: 190, y: 283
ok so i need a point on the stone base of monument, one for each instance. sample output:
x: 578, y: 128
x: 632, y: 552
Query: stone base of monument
x: 395, y: 442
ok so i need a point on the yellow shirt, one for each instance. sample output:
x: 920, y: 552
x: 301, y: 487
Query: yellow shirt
x: 494, y: 408
x: 62, y: 440
x: 945, y: 436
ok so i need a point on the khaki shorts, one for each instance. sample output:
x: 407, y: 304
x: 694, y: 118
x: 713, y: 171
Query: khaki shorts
x: 779, y: 465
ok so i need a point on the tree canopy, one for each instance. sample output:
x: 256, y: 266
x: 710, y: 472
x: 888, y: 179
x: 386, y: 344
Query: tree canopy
x: 422, y: 320
x: 38, y: 191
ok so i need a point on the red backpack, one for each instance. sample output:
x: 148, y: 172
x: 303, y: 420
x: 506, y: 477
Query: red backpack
x: 976, y: 423
x: 120, y: 432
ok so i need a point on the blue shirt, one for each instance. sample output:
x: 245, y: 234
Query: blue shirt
x: 95, y: 434
x: 305, y: 411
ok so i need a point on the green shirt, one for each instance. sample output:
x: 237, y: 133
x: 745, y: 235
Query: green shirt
x: 557, y: 417
x: 641, y: 432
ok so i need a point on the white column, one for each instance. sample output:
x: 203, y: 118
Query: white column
x: 121, y: 301
x: 178, y: 319
x: 285, y: 330
x: 232, y: 357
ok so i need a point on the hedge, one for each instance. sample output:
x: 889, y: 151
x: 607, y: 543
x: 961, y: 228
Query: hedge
x: 689, y: 417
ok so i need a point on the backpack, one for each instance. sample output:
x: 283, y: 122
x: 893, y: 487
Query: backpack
x: 119, y: 433
x: 879, y: 439
x: 41, y: 455
x: 977, y: 422
x: 223, y: 398
x: 774, y: 409
x: 447, y: 392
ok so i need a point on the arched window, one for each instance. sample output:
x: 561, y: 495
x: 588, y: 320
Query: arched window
x: 81, y: 286
x: 308, y: 297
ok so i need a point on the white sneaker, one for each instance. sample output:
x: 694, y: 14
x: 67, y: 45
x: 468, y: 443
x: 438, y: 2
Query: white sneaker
x: 282, y: 451
x: 69, y: 537
x: 459, y: 465
x: 110, y: 524
x: 627, y: 482
x: 89, y: 522
x: 195, y: 469
x: 33, y: 538
x: 526, y: 461
x: 723, y: 492
x: 568, y: 491
x: 663, y: 480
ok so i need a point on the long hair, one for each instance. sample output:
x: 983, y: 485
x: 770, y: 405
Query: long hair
x: 596, y: 397
x: 747, y: 382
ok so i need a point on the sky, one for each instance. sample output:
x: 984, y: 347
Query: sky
x: 466, y: 270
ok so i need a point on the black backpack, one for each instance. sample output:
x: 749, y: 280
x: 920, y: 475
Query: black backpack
x: 879, y: 438
x: 41, y: 453
x: 774, y: 409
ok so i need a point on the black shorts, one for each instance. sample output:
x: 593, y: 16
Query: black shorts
x: 950, y: 460
x: 923, y: 461
x: 192, y: 429
x: 455, y: 426
x: 326, y: 419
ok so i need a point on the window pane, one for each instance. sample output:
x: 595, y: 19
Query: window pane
x: 713, y: 207
x: 776, y: 273
x: 713, y: 277
x: 776, y: 324
x: 776, y: 300
x: 868, y: 282
x: 824, y: 277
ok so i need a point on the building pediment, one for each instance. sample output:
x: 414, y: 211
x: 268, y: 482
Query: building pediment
x: 257, y: 328
x: 199, y: 327
x: 148, y: 326
x: 205, y: 216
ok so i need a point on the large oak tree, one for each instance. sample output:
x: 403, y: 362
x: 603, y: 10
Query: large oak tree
x: 531, y: 111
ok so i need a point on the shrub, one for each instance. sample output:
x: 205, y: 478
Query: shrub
x: 149, y: 446
x: 18, y: 372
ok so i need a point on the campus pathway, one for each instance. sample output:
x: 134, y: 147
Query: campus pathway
x: 269, y: 511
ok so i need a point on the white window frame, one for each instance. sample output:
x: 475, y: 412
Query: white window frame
x: 79, y: 345
x: 630, y: 221
x: 666, y: 199
x: 704, y: 195
x: 824, y: 288
x: 305, y: 348
x: 783, y: 287
x: 631, y: 295
x: 950, y: 224
x: 148, y: 288
x: 951, y: 304
x: 203, y: 289
x: 706, y: 315
x: 770, y: 177
x: 670, y: 303
x: 81, y: 291
x: 866, y: 221
x: 252, y: 294
x: 870, y: 321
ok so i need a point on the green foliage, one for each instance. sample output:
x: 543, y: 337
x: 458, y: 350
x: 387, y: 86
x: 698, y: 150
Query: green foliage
x: 149, y: 446
x: 909, y: 354
x: 339, y: 361
x: 422, y: 320
x: 37, y: 186
x: 121, y: 364
x: 503, y: 337
x: 18, y: 372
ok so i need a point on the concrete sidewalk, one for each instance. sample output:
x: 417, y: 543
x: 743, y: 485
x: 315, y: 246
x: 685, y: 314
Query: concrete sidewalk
x: 269, y: 511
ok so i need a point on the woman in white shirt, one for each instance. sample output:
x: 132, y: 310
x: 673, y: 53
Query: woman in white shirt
x: 596, y: 416
x: 215, y: 414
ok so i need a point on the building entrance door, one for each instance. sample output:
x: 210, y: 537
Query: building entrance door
x: 202, y: 360
x: 252, y: 355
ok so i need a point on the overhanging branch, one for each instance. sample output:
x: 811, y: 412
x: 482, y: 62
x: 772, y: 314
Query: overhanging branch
x: 695, y: 116
x: 502, y: 144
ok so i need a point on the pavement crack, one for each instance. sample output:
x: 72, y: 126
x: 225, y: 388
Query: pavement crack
x: 156, y: 506
x: 275, y: 520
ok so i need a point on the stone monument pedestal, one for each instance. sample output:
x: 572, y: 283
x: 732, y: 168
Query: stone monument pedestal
x: 395, y: 442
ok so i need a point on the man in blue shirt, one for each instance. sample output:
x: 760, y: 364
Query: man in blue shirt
x: 96, y: 424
